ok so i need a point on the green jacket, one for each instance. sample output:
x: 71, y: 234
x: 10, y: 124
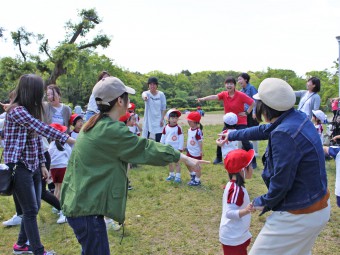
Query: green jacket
x: 96, y: 182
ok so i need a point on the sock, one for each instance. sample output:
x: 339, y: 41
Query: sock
x: 192, y: 174
x: 171, y: 174
x: 178, y: 175
x: 197, y: 179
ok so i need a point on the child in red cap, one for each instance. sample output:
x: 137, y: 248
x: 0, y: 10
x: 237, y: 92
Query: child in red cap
x: 235, y: 221
x: 195, y: 144
x: 60, y: 155
x: 76, y: 120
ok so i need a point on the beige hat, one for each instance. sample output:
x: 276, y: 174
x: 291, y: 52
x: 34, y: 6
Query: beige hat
x: 108, y: 89
x: 276, y: 93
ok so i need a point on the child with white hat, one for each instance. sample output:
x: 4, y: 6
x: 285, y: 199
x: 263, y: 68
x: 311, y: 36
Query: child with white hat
x: 172, y: 134
x: 318, y: 119
x: 230, y: 121
x: 235, y: 221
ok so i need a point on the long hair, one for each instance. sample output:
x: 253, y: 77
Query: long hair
x: 103, y: 110
x: 55, y: 89
x: 239, y: 179
x: 29, y: 93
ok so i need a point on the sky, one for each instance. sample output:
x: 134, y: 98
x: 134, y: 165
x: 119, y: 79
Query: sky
x: 195, y: 35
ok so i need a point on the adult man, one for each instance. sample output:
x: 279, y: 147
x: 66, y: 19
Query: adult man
x: 155, y: 110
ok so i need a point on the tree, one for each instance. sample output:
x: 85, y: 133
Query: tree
x: 62, y: 58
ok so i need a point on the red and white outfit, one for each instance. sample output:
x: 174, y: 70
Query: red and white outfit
x: 194, y: 137
x: 173, y: 135
x: 234, y: 230
x: 59, y: 161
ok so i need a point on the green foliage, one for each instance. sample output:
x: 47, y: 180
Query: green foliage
x: 177, y: 102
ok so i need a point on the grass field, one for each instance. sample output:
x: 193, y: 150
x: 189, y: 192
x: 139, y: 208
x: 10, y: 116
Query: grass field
x: 165, y: 218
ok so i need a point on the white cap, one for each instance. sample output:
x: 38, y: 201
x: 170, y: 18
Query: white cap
x: 320, y: 115
x: 230, y: 119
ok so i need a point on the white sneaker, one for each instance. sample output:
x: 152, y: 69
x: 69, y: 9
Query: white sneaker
x: 62, y: 219
x: 15, y: 220
x: 111, y: 224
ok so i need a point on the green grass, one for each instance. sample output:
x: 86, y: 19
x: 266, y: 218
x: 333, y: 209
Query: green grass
x: 165, y: 218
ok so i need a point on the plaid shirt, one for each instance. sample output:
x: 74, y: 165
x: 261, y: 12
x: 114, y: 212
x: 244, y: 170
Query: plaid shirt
x: 23, y: 138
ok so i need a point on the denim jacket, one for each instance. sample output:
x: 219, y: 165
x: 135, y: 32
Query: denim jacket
x: 294, y: 162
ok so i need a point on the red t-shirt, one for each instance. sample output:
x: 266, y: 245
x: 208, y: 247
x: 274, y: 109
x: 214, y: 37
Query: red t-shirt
x: 235, y: 104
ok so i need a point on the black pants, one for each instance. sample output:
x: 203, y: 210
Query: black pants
x: 158, y: 136
x: 45, y: 195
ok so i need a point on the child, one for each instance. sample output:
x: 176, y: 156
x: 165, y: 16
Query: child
x: 235, y: 220
x: 172, y: 134
x: 194, y: 144
x: 318, y: 119
x: 230, y: 121
x: 333, y: 151
x: 77, y: 121
x: 132, y: 109
x: 60, y: 155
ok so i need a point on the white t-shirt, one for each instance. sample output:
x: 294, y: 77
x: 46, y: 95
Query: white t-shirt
x: 59, y: 159
x: 92, y: 106
x: 74, y: 135
x: 154, y: 107
x: 194, y: 136
x: 173, y: 136
x: 57, y: 117
x: 337, y: 175
x: 230, y: 146
x: 233, y: 229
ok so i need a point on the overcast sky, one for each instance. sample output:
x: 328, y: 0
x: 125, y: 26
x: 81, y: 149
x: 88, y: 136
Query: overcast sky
x: 197, y: 35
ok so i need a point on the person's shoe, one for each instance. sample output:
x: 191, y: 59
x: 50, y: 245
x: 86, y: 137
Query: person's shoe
x: 62, y: 219
x: 178, y: 180
x: 130, y: 187
x: 49, y: 253
x: 15, y: 220
x: 194, y: 183
x: 170, y: 178
x: 217, y: 161
x: 192, y: 178
x: 55, y: 210
x: 24, y: 249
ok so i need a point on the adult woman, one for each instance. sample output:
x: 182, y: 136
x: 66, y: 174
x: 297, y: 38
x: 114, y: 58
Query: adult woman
x: 23, y: 152
x: 99, y: 165
x: 92, y: 108
x: 310, y: 100
x: 54, y: 110
x: 233, y: 101
x: 155, y: 109
x: 294, y: 172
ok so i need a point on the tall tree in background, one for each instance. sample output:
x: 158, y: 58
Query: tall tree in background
x: 63, y: 57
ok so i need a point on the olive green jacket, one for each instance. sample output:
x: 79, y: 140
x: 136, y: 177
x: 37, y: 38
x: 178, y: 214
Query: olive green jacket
x: 96, y: 182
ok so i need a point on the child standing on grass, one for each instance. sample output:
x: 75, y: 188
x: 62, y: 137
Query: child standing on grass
x: 318, y: 119
x: 60, y: 155
x: 172, y: 134
x: 132, y: 109
x: 235, y: 221
x: 230, y: 121
x: 195, y: 145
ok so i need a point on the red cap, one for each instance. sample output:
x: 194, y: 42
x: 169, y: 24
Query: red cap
x: 58, y: 127
x: 74, y: 117
x: 238, y: 159
x: 194, y: 116
x: 131, y: 106
x: 125, y: 117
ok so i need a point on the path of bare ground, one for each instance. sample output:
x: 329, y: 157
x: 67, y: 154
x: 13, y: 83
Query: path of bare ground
x: 208, y: 119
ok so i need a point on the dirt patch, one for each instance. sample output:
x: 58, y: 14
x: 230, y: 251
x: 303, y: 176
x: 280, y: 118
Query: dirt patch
x: 208, y: 119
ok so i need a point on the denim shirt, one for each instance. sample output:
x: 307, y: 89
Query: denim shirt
x: 294, y: 162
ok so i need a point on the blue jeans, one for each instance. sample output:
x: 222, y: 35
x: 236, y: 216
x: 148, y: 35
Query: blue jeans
x: 91, y: 234
x: 27, y: 189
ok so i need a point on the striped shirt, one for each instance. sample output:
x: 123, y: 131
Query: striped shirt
x: 23, y: 138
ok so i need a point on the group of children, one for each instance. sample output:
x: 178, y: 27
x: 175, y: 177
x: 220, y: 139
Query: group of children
x: 172, y: 134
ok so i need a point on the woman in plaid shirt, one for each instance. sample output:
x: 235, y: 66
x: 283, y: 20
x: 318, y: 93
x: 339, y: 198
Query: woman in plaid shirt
x: 23, y: 152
